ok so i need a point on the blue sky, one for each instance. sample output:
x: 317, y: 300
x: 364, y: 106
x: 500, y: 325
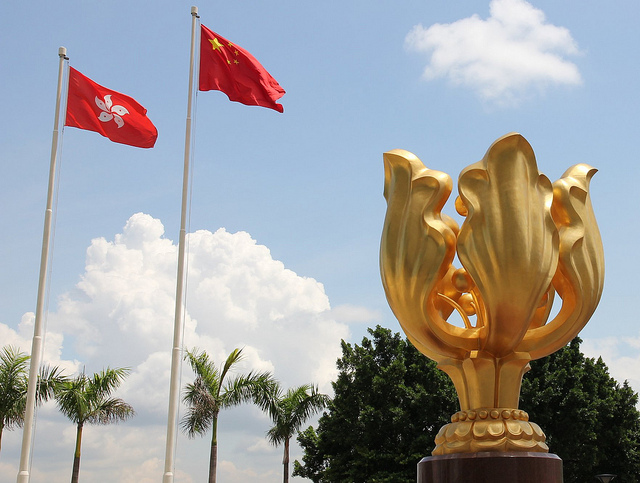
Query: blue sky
x: 287, y: 209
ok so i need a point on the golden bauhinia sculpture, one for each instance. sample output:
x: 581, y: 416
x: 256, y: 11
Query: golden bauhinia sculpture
x: 523, y: 240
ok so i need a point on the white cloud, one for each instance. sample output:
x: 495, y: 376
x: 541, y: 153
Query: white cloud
x: 261, y: 445
x: 22, y: 339
x: 355, y: 314
x: 8, y: 469
x: 230, y: 473
x: 121, y: 314
x: 502, y: 58
x: 147, y: 472
x: 147, y: 386
x: 621, y: 356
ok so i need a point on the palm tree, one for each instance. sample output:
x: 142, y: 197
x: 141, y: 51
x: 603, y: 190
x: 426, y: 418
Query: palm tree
x: 14, y: 379
x: 87, y: 399
x: 209, y: 393
x: 289, y: 411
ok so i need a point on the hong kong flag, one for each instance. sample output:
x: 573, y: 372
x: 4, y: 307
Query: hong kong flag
x: 116, y: 116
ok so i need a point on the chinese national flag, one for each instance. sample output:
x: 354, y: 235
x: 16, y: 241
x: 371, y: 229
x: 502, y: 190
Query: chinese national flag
x: 228, y: 68
x: 116, y: 116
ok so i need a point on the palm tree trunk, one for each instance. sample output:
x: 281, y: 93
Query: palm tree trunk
x: 213, y: 458
x: 1, y: 429
x: 285, y: 461
x: 76, y: 455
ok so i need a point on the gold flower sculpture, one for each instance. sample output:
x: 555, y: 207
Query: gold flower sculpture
x: 523, y: 240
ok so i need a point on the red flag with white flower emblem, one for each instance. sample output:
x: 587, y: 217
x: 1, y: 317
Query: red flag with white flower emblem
x: 116, y: 116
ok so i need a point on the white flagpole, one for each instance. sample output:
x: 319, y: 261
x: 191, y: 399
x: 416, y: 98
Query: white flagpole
x: 176, y: 354
x: 38, y: 329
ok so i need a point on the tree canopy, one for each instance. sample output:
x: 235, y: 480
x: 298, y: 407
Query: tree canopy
x: 390, y: 401
x: 591, y: 421
x: 290, y: 410
x: 87, y: 399
x: 211, y: 392
x: 14, y: 379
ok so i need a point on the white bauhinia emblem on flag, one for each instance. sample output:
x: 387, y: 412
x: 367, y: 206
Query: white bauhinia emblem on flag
x: 109, y: 111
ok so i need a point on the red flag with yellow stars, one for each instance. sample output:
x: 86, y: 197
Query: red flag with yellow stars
x: 228, y: 68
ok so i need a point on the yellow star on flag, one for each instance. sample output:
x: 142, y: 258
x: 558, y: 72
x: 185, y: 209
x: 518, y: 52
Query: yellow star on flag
x: 215, y: 43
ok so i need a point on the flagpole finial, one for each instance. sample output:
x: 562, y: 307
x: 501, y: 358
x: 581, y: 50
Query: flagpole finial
x: 194, y: 11
x: 62, y: 52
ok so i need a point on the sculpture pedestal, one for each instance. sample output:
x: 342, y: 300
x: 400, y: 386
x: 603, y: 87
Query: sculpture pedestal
x: 491, y: 467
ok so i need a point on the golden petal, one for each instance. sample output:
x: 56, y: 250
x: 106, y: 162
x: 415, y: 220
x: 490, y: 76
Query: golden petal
x: 508, y: 243
x: 416, y: 252
x: 514, y: 428
x: 579, y: 279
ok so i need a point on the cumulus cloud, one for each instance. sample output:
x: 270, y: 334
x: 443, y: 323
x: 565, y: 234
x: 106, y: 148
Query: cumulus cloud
x: 229, y: 472
x: 354, y: 314
x: 121, y: 311
x: 22, y: 339
x: 120, y: 314
x: 504, y: 57
x: 621, y: 356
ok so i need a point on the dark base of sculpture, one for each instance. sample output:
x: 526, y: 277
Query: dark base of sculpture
x: 491, y: 467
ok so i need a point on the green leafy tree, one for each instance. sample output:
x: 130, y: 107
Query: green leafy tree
x: 14, y: 379
x: 390, y: 401
x: 87, y: 399
x: 291, y: 410
x: 210, y: 393
x: 591, y: 421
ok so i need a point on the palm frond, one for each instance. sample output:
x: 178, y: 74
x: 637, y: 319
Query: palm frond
x: 49, y: 380
x: 14, y: 368
x: 197, y: 420
x: 103, y: 383
x: 204, y: 368
x: 201, y: 396
x: 212, y: 391
x: 198, y: 398
x: 259, y: 388
x: 71, y: 399
x: 292, y: 410
x: 109, y: 411
x: 235, y: 357
x: 13, y: 362
x: 87, y: 398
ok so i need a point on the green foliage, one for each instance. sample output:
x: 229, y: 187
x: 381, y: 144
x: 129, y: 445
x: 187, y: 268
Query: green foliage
x: 289, y: 411
x: 590, y: 420
x: 211, y: 392
x: 14, y: 379
x: 390, y: 401
x: 14, y: 367
x: 87, y: 399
